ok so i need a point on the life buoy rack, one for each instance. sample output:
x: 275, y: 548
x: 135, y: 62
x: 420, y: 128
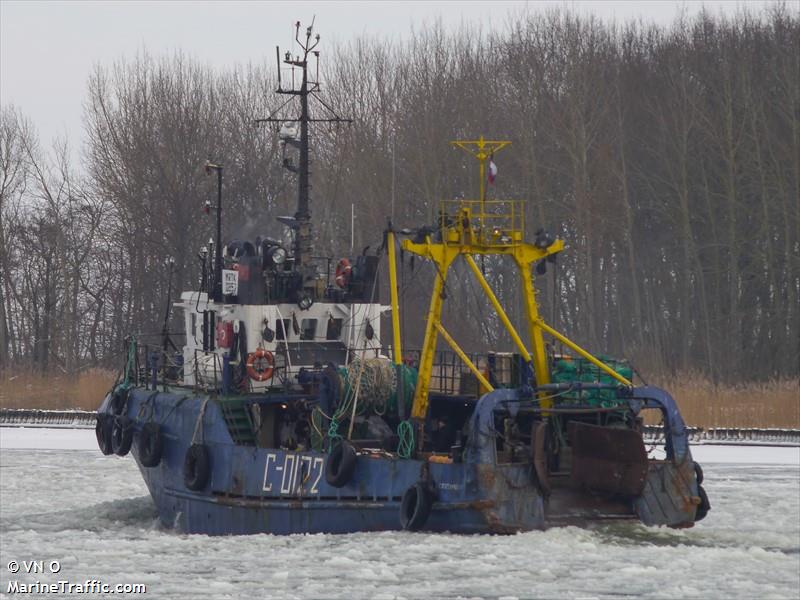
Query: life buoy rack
x: 260, y: 365
x: 343, y: 272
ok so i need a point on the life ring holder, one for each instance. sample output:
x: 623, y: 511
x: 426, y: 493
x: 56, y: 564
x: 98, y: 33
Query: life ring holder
x: 258, y: 373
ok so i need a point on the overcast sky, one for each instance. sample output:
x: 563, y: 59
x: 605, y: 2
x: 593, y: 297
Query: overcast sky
x: 47, y: 49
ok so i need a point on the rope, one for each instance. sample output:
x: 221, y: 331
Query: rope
x: 333, y: 434
x: 370, y: 386
x: 378, y: 381
x: 405, y: 431
x: 356, y: 392
x: 178, y: 402
x: 148, y: 408
x: 129, y: 364
x: 198, y: 426
x: 317, y: 435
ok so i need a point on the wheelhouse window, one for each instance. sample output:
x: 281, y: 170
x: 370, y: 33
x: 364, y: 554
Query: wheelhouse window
x: 281, y: 327
x: 334, y: 331
x: 308, y: 329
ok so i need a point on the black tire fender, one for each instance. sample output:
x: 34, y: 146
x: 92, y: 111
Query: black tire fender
x: 119, y: 400
x: 415, y: 507
x: 102, y: 431
x: 150, y: 444
x: 196, y: 467
x: 340, y: 465
x: 698, y: 473
x: 704, y: 506
x: 121, y: 435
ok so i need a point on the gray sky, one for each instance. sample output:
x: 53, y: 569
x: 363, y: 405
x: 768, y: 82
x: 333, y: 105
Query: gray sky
x: 47, y: 49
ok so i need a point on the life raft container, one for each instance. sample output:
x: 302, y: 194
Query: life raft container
x: 260, y: 365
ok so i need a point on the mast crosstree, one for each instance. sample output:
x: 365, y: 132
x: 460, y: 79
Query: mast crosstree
x: 301, y: 222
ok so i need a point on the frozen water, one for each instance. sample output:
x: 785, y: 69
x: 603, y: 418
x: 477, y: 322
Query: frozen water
x: 43, y: 438
x: 92, y: 514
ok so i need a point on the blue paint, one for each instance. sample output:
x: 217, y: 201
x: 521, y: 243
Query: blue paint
x: 264, y: 490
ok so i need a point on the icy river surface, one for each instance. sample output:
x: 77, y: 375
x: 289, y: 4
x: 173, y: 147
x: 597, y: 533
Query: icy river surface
x: 92, y: 515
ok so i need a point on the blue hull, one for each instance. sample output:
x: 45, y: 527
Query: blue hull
x: 264, y: 490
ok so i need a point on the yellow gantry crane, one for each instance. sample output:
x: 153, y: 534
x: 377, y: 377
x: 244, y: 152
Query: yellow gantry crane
x: 490, y: 228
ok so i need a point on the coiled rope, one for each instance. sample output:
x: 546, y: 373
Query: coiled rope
x: 369, y: 386
x: 378, y: 381
x: 405, y: 431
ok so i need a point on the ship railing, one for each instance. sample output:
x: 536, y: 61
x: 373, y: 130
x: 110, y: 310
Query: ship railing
x: 487, y: 222
x: 155, y: 365
x: 206, y: 369
x: 775, y: 436
x: 451, y: 377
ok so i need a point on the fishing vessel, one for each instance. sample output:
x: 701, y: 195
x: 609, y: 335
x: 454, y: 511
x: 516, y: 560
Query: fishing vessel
x: 284, y: 411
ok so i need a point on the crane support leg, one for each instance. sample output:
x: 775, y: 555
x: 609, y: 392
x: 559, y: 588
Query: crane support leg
x: 442, y: 262
x: 540, y: 324
x: 397, y: 350
x: 498, y: 308
x: 537, y: 340
x: 465, y: 359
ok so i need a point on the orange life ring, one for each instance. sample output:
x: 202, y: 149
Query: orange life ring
x: 343, y: 272
x: 260, y: 365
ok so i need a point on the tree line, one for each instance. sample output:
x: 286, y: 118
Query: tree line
x: 667, y: 158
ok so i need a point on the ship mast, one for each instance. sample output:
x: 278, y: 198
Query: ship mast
x: 301, y: 223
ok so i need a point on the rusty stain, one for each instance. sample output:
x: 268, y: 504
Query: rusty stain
x: 682, y: 475
x: 607, y: 459
x: 487, y: 476
x: 481, y: 504
x: 237, y: 485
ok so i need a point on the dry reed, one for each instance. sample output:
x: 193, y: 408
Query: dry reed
x: 33, y: 390
x: 702, y: 403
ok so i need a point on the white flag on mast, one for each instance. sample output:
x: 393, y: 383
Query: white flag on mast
x: 492, y: 168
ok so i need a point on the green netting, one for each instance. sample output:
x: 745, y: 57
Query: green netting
x: 567, y: 370
x: 381, y: 382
